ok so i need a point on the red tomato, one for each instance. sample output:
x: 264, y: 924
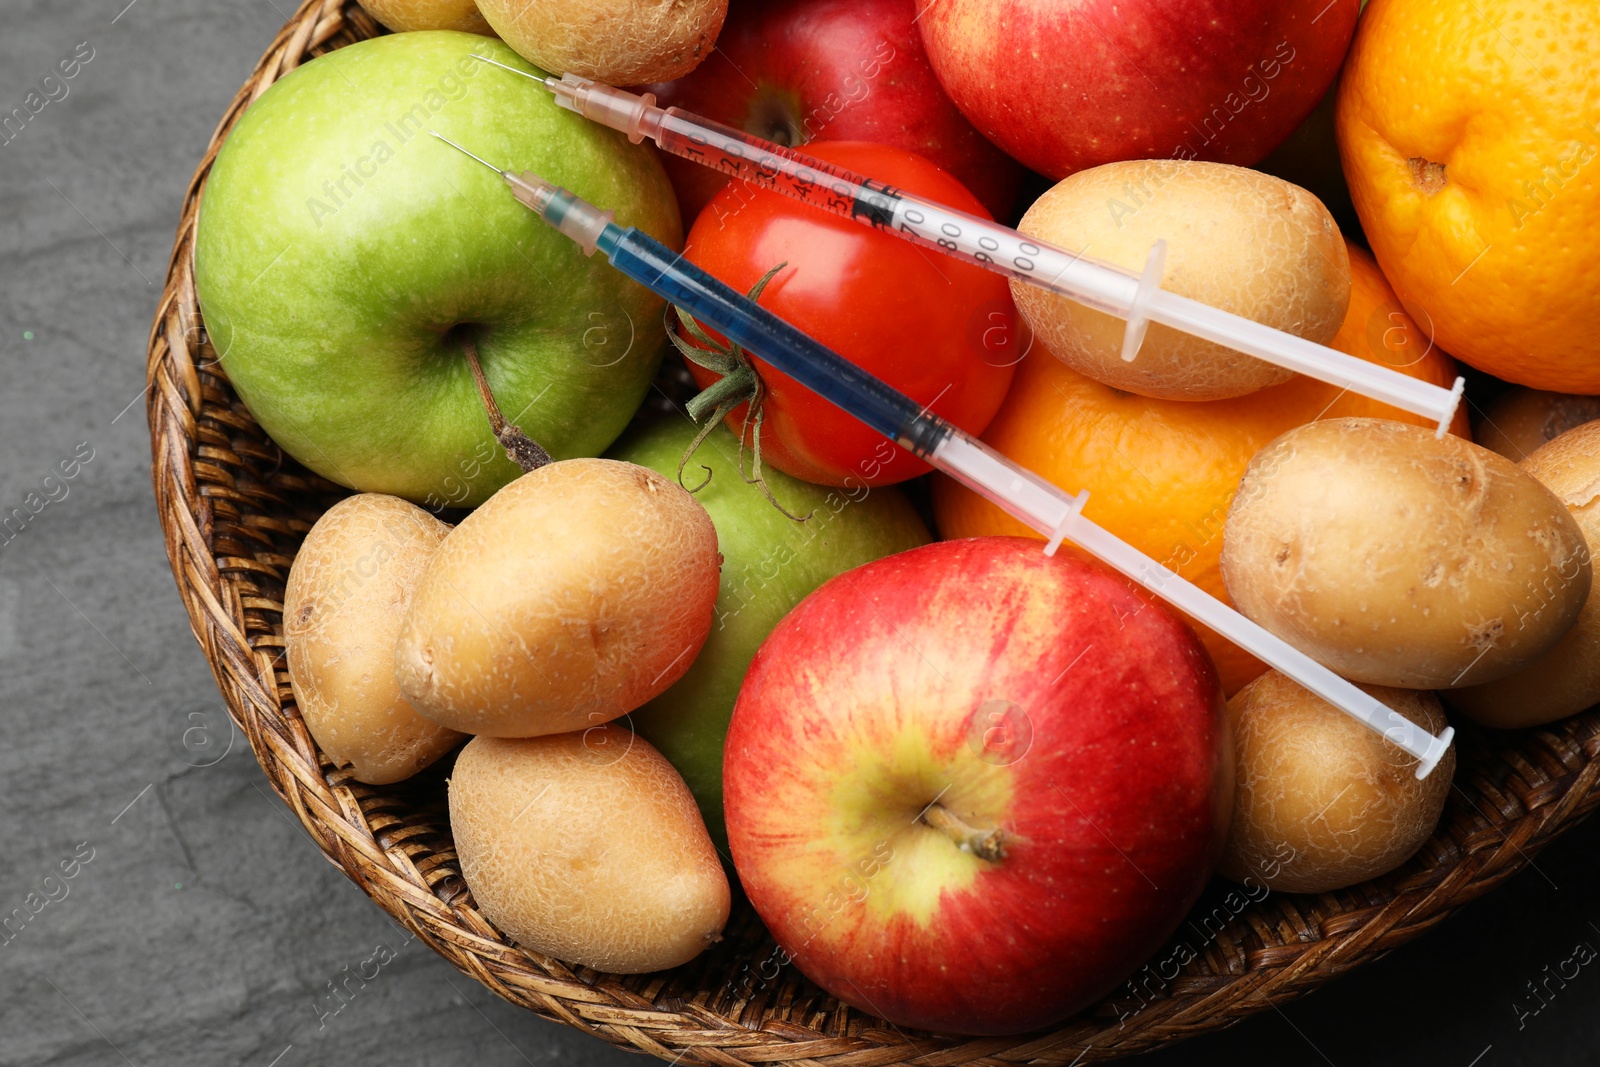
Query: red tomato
x: 938, y: 329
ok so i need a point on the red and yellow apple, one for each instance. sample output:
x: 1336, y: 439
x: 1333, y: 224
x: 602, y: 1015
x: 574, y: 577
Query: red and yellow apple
x: 971, y: 787
x: 836, y: 70
x: 1063, y: 87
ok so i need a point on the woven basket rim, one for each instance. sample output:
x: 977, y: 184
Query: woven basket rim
x: 232, y: 511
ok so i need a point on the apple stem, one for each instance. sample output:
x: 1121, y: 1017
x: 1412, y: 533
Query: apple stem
x: 521, y: 449
x: 984, y: 844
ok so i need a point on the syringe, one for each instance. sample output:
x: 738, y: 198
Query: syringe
x: 1022, y: 493
x: 1138, y: 298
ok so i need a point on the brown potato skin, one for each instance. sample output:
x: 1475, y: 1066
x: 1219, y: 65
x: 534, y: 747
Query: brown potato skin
x: 1321, y: 802
x: 342, y: 607
x: 1566, y: 679
x: 1520, y: 421
x: 1237, y: 239
x: 574, y: 595
x: 619, y: 42
x: 1398, y: 559
x: 593, y: 853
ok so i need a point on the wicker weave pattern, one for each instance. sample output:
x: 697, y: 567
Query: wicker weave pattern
x: 234, y: 510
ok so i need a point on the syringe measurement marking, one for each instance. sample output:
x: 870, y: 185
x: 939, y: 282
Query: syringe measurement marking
x: 923, y: 223
x: 1016, y: 258
x: 762, y: 167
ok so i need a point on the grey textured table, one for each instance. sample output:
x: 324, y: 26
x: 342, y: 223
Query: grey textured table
x: 200, y: 925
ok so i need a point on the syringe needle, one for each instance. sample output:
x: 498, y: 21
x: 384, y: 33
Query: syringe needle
x: 545, y: 81
x: 463, y: 151
x: 533, y: 196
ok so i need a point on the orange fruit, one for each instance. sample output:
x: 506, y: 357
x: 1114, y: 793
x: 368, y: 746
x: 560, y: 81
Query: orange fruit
x: 1469, y: 134
x: 1162, y: 473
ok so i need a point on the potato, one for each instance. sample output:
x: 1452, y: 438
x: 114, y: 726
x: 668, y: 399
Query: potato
x: 346, y: 595
x: 577, y: 593
x: 593, y: 854
x: 1521, y: 420
x: 619, y: 42
x: 1399, y: 559
x: 1566, y: 679
x: 1236, y: 239
x: 1320, y: 801
x: 401, y: 15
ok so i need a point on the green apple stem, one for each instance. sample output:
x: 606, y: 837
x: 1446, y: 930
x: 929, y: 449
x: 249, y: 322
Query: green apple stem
x: 521, y: 449
x: 984, y: 844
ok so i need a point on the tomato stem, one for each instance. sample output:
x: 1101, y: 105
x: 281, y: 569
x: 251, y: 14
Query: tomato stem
x: 739, y: 383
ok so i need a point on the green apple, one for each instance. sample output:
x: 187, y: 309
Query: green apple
x: 344, y: 257
x: 770, y: 563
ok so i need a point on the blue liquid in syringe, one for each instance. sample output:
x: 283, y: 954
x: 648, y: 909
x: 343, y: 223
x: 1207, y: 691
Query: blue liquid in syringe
x: 813, y: 365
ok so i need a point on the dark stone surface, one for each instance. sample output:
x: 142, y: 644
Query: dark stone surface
x: 205, y: 927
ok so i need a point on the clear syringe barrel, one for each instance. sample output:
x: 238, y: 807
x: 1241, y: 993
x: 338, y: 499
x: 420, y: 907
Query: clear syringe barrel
x: 1045, y: 508
x: 833, y: 189
x: 1263, y: 644
x: 1092, y: 282
x: 1038, y: 503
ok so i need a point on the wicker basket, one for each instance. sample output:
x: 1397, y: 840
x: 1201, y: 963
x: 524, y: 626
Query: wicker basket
x: 234, y: 510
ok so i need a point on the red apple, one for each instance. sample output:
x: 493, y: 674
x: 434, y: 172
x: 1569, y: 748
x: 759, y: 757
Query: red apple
x: 971, y: 787
x: 837, y: 70
x: 1065, y: 86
